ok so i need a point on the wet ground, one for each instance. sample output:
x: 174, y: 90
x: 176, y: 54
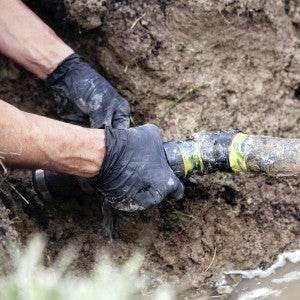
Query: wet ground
x: 228, y: 65
x: 280, y: 281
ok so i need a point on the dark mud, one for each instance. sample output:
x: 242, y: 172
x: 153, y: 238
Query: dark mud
x: 244, y: 60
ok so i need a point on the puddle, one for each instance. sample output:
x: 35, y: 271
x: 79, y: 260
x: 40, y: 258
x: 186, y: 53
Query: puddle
x: 280, y: 281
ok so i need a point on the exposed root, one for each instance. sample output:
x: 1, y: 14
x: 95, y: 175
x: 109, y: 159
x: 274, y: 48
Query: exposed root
x: 4, y: 179
x: 212, y: 261
x: 137, y: 20
x: 3, y: 166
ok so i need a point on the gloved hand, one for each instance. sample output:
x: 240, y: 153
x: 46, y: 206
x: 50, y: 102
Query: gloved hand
x: 85, y: 97
x: 135, y: 173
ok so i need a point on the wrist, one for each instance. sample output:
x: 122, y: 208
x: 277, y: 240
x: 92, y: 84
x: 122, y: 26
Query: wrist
x: 28, y: 41
x: 83, y: 158
x: 36, y: 142
x: 63, y: 147
x: 48, y: 62
x: 95, y: 153
x: 67, y: 148
x: 63, y: 67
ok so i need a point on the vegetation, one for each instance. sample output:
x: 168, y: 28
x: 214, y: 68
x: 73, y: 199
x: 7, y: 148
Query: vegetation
x: 30, y: 280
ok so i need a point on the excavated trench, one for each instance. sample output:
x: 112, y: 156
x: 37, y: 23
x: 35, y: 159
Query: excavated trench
x: 228, y: 64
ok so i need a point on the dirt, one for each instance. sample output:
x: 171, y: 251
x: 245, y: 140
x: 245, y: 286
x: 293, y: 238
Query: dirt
x: 229, y: 64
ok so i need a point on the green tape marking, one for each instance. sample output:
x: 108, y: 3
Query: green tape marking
x: 199, y: 156
x: 191, y: 156
x: 236, y: 159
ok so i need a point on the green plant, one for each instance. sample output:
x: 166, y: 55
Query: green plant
x: 180, y: 98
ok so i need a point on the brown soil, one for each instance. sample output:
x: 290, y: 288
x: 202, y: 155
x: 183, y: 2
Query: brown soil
x: 245, y: 56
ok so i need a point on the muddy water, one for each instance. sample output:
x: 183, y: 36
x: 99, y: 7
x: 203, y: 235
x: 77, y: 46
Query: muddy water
x: 280, y: 281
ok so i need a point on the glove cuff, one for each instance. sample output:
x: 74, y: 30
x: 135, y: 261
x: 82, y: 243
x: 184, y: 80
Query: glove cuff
x: 115, y: 141
x: 63, y: 68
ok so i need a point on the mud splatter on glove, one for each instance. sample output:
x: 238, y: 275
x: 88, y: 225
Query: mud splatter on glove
x: 135, y: 173
x: 85, y: 97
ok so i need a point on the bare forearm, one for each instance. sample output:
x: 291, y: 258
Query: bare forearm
x: 28, y: 41
x: 31, y: 141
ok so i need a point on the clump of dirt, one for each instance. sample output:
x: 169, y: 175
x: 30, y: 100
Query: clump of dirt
x: 87, y: 14
x: 234, y: 65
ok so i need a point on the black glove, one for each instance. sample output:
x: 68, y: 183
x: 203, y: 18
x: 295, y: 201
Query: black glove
x: 135, y: 173
x: 85, y: 97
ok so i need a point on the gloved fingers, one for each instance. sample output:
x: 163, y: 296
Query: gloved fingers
x: 147, y: 197
x: 121, y: 115
x: 79, y: 88
x: 98, y: 120
x: 135, y: 158
x: 178, y: 192
x: 142, y: 200
x: 117, y: 118
x: 151, y: 196
x: 75, y: 119
x: 121, y: 123
x: 69, y: 112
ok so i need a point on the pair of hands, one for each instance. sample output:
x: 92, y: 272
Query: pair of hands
x: 135, y: 173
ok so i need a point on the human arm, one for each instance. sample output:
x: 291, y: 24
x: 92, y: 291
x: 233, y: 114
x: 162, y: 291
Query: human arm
x: 27, y: 40
x: 32, y: 141
x: 127, y: 166
x: 83, y: 95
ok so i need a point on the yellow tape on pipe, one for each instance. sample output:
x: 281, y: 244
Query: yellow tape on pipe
x: 236, y: 159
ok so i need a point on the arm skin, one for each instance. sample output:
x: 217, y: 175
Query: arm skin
x: 28, y: 41
x: 31, y: 141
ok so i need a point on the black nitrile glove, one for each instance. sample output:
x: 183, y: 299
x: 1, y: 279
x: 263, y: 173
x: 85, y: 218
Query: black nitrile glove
x: 135, y: 173
x: 85, y: 97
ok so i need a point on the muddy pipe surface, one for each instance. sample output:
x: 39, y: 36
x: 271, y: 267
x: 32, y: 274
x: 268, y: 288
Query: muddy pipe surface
x: 233, y: 151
